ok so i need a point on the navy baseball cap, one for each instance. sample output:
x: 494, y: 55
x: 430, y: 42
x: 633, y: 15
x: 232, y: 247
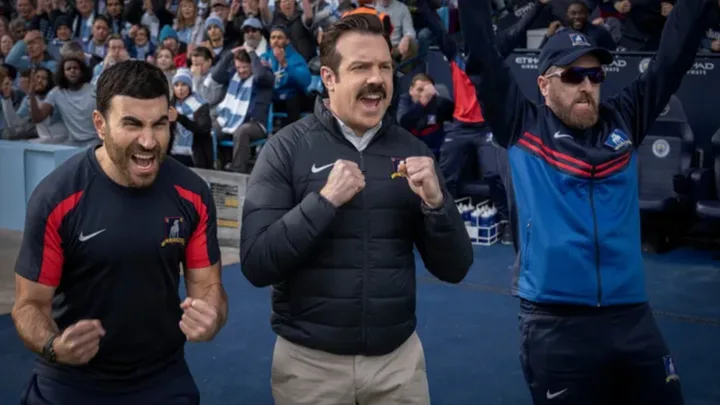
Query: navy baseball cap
x: 567, y: 46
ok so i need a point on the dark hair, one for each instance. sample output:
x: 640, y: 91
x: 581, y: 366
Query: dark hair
x: 203, y: 52
x: 101, y: 17
x: 62, y: 81
x: 114, y: 37
x: 50, y: 79
x: 132, y: 78
x: 421, y: 77
x: 579, y: 3
x: 242, y: 56
x: 145, y: 28
x: 360, y: 23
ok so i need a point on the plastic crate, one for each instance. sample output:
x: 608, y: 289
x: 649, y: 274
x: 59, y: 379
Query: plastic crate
x: 480, y: 233
x: 228, y: 191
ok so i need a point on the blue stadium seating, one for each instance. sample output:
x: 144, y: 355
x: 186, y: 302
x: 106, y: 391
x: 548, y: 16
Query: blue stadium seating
x: 710, y: 207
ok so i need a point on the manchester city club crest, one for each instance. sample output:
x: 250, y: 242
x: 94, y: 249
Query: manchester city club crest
x: 661, y: 148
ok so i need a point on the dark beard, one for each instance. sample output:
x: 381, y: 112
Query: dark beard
x: 575, y: 121
x: 122, y: 159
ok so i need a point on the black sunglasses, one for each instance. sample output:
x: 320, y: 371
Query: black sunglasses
x: 576, y: 75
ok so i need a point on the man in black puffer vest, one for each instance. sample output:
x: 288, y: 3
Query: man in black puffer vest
x: 335, y: 206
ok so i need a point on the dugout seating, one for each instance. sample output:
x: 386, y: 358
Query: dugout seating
x: 709, y: 206
x: 667, y: 162
x: 667, y: 158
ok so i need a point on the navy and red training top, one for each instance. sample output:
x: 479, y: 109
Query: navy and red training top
x: 113, y: 253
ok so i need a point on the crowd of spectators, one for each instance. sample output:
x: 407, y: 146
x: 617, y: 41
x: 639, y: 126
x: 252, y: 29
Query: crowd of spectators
x: 229, y: 65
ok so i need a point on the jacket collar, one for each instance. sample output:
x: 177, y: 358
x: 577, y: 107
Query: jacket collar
x: 329, y: 121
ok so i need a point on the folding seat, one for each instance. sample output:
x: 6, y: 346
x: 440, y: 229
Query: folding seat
x: 667, y: 159
x: 708, y: 182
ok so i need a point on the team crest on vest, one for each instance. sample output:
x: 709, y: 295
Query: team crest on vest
x: 578, y: 40
x: 617, y: 140
x: 396, y: 168
x: 173, y: 232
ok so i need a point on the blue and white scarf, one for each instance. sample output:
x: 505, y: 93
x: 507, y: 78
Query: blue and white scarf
x: 182, y: 144
x: 234, y: 107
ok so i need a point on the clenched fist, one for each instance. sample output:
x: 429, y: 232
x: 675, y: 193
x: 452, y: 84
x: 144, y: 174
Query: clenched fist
x: 423, y: 181
x: 201, y: 321
x: 343, y: 183
x: 79, y: 343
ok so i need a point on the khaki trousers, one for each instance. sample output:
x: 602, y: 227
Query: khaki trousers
x: 303, y: 376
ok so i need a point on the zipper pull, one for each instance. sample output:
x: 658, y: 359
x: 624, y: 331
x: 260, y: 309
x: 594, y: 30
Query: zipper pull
x: 362, y: 163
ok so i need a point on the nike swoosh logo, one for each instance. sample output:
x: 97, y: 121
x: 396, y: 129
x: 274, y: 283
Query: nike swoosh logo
x: 559, y: 135
x: 550, y: 395
x: 321, y: 168
x: 83, y: 238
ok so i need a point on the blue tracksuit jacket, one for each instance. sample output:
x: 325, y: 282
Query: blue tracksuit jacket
x: 577, y: 191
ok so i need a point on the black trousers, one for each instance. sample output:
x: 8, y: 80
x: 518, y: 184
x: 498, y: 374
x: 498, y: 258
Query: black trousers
x: 178, y: 390
x: 596, y: 356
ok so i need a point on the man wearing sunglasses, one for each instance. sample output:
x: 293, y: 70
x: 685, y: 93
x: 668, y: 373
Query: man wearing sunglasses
x: 588, y: 334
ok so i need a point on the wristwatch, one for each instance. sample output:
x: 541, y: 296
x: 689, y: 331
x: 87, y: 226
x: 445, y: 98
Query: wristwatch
x: 48, y: 353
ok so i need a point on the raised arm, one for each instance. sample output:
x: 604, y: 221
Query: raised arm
x: 447, y: 45
x: 645, y: 98
x: 504, y: 105
x: 510, y: 38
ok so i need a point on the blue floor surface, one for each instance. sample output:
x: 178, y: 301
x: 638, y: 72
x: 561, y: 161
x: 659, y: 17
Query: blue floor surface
x: 469, y: 332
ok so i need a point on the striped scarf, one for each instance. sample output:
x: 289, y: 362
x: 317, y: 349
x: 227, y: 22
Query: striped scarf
x: 232, y: 110
x: 182, y: 144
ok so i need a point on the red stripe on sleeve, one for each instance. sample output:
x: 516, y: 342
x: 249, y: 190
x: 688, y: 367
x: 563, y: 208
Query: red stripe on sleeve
x: 196, y: 254
x: 53, y: 256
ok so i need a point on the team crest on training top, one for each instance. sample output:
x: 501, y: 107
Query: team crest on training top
x: 173, y: 231
x: 396, y: 168
x: 617, y: 140
x: 578, y: 40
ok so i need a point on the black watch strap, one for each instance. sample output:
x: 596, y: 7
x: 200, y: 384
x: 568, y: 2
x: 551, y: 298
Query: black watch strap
x: 48, y: 352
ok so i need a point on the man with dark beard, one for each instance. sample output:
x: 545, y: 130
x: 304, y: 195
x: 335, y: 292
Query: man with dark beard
x: 73, y: 97
x: 98, y: 270
x: 589, y: 336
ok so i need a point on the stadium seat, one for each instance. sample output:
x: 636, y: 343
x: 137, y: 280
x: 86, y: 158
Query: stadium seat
x: 405, y: 79
x: 710, y: 207
x: 471, y: 183
x: 438, y: 68
x: 673, y: 112
x: 666, y: 161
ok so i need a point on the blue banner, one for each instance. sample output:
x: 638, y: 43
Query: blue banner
x: 699, y: 93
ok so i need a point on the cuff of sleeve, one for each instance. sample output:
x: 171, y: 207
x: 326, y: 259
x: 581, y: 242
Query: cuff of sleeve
x: 441, y: 210
x: 318, y: 210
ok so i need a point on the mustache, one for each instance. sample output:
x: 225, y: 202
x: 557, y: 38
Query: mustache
x: 137, y: 149
x: 584, y: 98
x: 373, y: 89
